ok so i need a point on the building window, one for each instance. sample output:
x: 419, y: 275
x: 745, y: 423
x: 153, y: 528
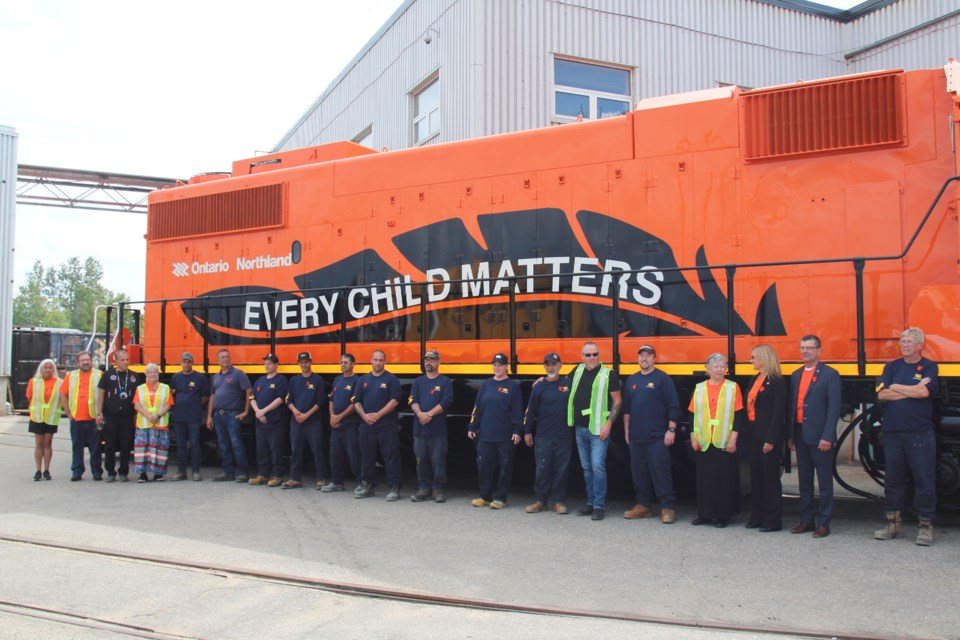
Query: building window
x: 365, y: 137
x: 426, y: 111
x: 592, y: 91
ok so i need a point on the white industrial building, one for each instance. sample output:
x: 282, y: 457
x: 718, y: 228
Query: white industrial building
x: 444, y: 70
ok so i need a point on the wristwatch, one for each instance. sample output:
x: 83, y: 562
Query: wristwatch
x: 672, y: 429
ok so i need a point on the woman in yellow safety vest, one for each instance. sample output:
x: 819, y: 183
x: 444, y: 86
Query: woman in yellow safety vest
x: 717, y: 408
x: 44, y: 398
x: 153, y: 402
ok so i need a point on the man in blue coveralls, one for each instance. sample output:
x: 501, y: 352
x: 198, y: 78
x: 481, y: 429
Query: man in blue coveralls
x: 908, y: 386
x: 305, y: 396
x: 545, y: 429
x: 651, y: 410
x: 431, y: 396
x: 344, y: 426
x: 376, y: 399
x: 191, y: 390
x: 496, y: 423
x: 266, y: 401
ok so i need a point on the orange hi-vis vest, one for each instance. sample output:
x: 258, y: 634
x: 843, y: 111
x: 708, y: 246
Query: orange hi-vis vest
x: 710, y: 430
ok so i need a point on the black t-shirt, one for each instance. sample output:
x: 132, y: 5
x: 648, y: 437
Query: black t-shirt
x: 120, y: 389
x: 581, y: 399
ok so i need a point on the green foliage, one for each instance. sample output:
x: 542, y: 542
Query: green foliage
x: 65, y: 296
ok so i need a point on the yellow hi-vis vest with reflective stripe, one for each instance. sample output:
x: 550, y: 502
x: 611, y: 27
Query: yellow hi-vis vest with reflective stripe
x: 599, y: 409
x: 74, y: 396
x: 47, y: 412
x: 714, y: 431
x: 160, y: 400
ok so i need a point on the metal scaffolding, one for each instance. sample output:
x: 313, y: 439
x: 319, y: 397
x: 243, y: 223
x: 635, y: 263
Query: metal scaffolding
x: 79, y: 189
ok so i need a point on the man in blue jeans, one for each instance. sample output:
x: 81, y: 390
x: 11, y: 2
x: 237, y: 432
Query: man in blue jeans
x: 593, y: 408
x: 191, y: 390
x: 228, y: 406
x: 908, y: 386
x: 431, y: 396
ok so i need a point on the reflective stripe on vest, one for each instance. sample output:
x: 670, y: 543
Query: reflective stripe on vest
x: 599, y: 409
x: 160, y: 400
x: 74, y: 396
x: 46, y: 412
x: 709, y: 430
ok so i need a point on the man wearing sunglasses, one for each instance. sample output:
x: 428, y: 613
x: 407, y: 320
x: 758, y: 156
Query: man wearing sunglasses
x: 593, y: 408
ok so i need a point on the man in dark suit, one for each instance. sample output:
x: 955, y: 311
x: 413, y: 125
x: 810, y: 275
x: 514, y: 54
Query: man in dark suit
x: 815, y: 412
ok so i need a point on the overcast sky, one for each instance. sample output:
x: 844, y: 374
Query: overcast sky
x: 167, y: 89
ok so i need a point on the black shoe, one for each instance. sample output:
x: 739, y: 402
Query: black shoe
x: 700, y: 521
x: 752, y: 525
x: 770, y: 529
x: 721, y: 523
x: 98, y: 478
x: 141, y: 479
x: 37, y: 476
x: 74, y: 478
x: 585, y: 511
x: 597, y: 514
x: 46, y: 475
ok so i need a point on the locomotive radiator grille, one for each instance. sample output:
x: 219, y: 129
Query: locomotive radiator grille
x: 230, y: 211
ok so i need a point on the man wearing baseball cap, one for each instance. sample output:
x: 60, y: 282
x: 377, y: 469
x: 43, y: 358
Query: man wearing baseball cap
x: 545, y: 429
x: 191, y: 390
x: 305, y: 395
x: 266, y: 401
x: 496, y: 423
x: 651, y: 410
x: 431, y: 396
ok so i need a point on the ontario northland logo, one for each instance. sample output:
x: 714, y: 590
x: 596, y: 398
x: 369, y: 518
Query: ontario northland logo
x: 571, y: 297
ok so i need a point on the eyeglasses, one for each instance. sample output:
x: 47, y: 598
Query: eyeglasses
x: 429, y: 358
x: 591, y: 355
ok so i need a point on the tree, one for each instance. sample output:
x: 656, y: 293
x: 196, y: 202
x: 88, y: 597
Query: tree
x: 64, y: 296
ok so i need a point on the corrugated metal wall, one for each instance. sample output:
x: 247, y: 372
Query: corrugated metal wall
x: 495, y: 57
x: 8, y: 201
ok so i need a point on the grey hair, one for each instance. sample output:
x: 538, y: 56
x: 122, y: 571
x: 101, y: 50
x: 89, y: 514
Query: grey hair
x: 151, y: 368
x: 716, y: 357
x: 913, y: 332
x: 43, y: 363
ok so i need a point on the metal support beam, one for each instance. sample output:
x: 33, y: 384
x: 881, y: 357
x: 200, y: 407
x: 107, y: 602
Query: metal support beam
x: 91, y: 190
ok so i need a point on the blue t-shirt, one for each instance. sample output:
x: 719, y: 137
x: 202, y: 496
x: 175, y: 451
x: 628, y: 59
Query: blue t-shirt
x: 498, y: 413
x: 374, y: 392
x: 651, y: 401
x: 910, y: 414
x: 230, y: 390
x: 546, y: 415
x: 428, y: 394
x: 188, y: 390
x: 305, y: 392
x: 265, y: 391
x: 341, y: 396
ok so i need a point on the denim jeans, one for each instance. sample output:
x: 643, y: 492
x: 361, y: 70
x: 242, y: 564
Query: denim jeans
x: 593, y: 459
x: 84, y: 435
x: 431, y: 452
x: 344, y: 449
x: 910, y: 453
x: 651, y: 471
x: 232, y: 451
x: 553, y: 466
x: 187, y: 432
x: 309, y: 433
x: 495, y: 468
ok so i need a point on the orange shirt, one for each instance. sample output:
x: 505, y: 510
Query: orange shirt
x: 805, y: 379
x: 49, y: 387
x: 83, y: 394
x: 752, y: 397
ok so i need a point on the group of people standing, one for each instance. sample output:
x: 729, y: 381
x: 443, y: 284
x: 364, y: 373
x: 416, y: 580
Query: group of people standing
x: 117, y: 410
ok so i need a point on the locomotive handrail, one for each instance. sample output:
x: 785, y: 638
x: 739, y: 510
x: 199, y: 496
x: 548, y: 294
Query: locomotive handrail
x: 859, y: 263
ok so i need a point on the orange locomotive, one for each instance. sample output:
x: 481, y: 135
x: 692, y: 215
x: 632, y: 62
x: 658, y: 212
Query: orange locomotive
x: 699, y: 223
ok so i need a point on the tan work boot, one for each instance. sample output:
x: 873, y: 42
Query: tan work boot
x: 925, y: 533
x: 560, y: 509
x: 275, y: 481
x: 480, y: 502
x: 536, y: 507
x: 893, y: 528
x: 638, y: 511
x: 668, y: 516
x: 258, y: 480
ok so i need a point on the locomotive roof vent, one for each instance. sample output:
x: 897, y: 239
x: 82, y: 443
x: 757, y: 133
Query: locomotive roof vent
x: 847, y: 114
x: 226, y: 212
